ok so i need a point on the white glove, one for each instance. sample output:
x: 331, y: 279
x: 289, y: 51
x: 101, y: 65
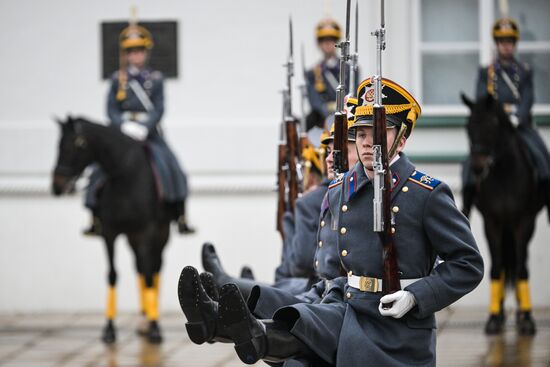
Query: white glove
x: 134, y: 130
x: 403, y: 301
x: 514, y: 119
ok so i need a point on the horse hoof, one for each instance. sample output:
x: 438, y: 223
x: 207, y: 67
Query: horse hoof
x: 525, y: 323
x: 109, y: 334
x: 494, y: 325
x: 154, y: 335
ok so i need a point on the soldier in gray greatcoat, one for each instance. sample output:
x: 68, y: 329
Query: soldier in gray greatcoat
x: 511, y: 83
x: 349, y: 327
x: 135, y: 105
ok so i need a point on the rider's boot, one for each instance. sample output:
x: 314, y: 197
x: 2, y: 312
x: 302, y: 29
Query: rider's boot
x: 95, y: 226
x: 183, y: 226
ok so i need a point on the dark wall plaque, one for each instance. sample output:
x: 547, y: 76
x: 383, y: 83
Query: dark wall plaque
x: 164, y: 54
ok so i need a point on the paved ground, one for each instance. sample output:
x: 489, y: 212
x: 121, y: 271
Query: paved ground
x: 72, y: 340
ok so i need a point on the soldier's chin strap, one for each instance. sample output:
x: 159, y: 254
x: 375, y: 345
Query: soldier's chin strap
x: 400, y: 134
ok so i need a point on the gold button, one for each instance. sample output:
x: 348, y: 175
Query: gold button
x: 322, y: 223
x: 351, y: 178
x: 344, y: 253
x: 320, y: 243
x: 405, y: 189
x: 316, y: 263
x: 344, y: 208
x: 395, y: 209
x: 392, y: 229
x: 343, y: 230
x: 348, y: 295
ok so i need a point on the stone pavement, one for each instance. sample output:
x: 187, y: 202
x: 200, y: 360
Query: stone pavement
x: 72, y: 339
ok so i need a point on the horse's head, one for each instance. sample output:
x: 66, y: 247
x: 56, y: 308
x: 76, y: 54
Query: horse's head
x: 73, y: 156
x: 486, y: 122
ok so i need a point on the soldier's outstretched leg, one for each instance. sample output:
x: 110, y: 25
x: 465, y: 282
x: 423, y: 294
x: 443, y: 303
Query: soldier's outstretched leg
x: 211, y: 263
x: 257, y: 339
x: 200, y: 310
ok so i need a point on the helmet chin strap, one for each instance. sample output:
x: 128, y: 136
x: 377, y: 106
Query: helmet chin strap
x: 400, y: 134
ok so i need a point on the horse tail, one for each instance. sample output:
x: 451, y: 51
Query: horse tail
x: 509, y: 258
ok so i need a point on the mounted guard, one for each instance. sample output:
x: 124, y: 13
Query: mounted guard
x: 135, y: 105
x: 510, y: 82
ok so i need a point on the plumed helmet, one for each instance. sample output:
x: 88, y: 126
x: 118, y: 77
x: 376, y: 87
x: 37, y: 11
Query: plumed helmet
x: 328, y: 28
x: 135, y: 36
x: 400, y: 105
x: 505, y: 28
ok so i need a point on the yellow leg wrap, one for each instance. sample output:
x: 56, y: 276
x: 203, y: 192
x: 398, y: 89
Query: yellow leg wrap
x: 110, y: 312
x: 522, y: 294
x: 156, y: 282
x: 151, y: 304
x: 141, y: 288
x: 497, y: 294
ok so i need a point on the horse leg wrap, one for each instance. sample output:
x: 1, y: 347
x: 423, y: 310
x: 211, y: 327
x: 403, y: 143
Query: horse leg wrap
x: 151, y: 304
x: 110, y: 311
x: 156, y: 282
x: 141, y: 288
x: 522, y: 294
x: 497, y: 295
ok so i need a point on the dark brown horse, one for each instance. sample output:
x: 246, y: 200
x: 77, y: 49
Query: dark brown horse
x: 508, y: 197
x: 128, y: 204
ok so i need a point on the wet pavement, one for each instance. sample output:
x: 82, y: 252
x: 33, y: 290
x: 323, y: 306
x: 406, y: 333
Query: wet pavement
x: 72, y: 339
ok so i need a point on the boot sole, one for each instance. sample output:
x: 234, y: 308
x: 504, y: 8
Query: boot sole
x: 234, y: 316
x: 188, y: 288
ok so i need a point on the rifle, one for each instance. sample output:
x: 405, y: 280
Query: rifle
x: 340, y: 151
x: 289, y: 169
x: 382, y: 174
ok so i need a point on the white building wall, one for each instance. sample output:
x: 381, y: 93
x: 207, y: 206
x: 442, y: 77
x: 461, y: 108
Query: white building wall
x: 221, y: 119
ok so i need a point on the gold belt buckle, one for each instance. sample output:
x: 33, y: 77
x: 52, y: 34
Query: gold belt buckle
x: 368, y: 284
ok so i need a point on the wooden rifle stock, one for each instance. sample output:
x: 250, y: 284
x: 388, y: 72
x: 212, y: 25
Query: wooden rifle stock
x: 340, y: 150
x: 306, y: 166
x: 390, y: 276
x: 281, y: 188
x: 292, y: 159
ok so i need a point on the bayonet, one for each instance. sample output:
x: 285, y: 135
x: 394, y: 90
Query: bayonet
x: 340, y: 153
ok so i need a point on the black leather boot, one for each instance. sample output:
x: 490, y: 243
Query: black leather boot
x: 257, y: 339
x: 246, y: 273
x: 184, y: 227
x: 211, y: 263
x: 199, y: 309
x: 94, y: 229
x: 209, y: 285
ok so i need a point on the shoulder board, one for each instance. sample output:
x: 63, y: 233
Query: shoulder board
x: 424, y: 180
x: 337, y: 181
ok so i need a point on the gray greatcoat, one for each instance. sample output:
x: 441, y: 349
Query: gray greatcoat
x: 346, y: 328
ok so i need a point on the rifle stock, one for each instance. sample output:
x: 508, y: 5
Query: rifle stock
x: 340, y: 150
x: 281, y: 187
x: 390, y: 276
x: 292, y: 159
